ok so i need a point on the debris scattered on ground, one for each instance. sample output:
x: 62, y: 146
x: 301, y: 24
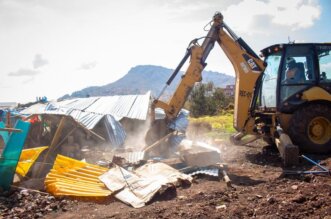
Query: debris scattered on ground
x: 260, y: 190
x: 139, y: 187
x: 30, y: 204
x: 198, y: 153
x: 70, y: 177
x: 158, y: 177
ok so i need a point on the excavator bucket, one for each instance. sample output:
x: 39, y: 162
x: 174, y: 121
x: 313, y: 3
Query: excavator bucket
x: 159, y: 129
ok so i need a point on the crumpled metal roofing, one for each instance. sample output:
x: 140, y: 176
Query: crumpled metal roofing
x: 115, y: 131
x: 129, y: 106
x: 206, y: 171
x: 34, y: 109
x: 192, y: 171
x: 89, y: 111
x: 89, y: 120
x: 132, y: 157
x: 79, y: 103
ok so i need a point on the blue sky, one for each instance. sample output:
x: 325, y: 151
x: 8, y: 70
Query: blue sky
x: 54, y: 47
x: 321, y: 31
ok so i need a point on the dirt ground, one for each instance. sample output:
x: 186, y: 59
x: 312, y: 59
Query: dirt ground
x: 260, y: 190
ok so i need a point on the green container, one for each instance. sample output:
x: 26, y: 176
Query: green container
x: 11, y: 154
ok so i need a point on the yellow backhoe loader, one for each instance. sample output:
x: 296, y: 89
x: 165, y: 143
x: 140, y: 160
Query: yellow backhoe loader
x: 282, y: 97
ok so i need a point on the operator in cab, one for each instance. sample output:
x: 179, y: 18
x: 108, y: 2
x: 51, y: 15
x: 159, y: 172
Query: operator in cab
x: 293, y: 73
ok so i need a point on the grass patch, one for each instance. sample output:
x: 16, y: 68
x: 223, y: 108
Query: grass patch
x: 221, y: 124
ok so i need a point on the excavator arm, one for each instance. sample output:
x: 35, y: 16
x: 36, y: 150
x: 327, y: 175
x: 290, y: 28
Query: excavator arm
x: 248, y: 68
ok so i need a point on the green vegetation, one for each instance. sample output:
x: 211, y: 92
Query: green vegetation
x: 207, y: 100
x: 211, y: 111
x: 220, y: 123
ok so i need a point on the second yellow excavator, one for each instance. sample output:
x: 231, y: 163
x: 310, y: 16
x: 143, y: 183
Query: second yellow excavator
x: 284, y: 98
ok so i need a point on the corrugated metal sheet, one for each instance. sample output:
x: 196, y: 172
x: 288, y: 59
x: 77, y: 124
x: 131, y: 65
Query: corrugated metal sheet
x: 34, y: 109
x: 130, y: 106
x: 115, y: 131
x: 89, y: 120
x: 79, y: 104
x: 104, y: 105
x: 211, y: 171
x: 132, y: 157
x: 90, y: 111
x: 139, y: 108
x: 123, y: 105
x: 206, y: 171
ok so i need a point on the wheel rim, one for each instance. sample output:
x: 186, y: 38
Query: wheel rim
x: 319, y: 130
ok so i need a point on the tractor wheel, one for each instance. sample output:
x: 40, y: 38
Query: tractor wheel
x: 310, y: 128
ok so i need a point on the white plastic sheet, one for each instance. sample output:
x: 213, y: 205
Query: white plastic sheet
x: 143, y: 184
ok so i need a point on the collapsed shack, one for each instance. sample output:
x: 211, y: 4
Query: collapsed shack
x: 70, y: 138
x: 83, y: 128
x: 109, y: 132
x: 119, y: 119
x: 63, y: 135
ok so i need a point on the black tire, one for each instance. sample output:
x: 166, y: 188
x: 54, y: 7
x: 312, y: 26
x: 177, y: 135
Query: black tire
x: 302, y: 126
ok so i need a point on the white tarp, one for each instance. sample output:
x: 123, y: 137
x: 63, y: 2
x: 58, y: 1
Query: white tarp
x: 143, y: 184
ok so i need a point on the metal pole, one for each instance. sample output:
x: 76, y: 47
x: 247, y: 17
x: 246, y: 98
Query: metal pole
x: 310, y: 160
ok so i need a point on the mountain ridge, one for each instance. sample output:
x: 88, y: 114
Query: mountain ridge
x: 143, y: 78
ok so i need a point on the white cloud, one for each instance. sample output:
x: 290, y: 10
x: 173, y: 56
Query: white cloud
x: 88, y: 65
x: 294, y: 15
x: 24, y: 72
x: 39, y: 61
x: 126, y: 33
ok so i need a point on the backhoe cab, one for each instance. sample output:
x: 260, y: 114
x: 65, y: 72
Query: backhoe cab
x: 295, y: 89
x: 285, y: 97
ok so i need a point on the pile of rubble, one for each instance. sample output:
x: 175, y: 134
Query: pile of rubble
x: 133, y: 176
x: 30, y: 204
x: 94, y: 164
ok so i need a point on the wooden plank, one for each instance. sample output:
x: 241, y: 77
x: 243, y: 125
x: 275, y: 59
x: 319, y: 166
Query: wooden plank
x: 148, y: 148
x: 55, y: 140
x: 10, y: 130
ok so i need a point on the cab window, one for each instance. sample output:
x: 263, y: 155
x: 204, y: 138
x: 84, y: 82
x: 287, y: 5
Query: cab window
x: 298, y: 70
x: 324, y: 60
x: 269, y: 85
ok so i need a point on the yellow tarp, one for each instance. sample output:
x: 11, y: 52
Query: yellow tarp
x: 70, y: 177
x: 27, y: 158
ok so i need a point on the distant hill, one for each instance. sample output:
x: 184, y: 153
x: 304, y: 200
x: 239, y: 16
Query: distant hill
x: 143, y: 78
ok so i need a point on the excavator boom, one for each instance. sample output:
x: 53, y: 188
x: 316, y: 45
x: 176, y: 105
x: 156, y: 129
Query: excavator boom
x: 283, y: 98
x: 248, y: 68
